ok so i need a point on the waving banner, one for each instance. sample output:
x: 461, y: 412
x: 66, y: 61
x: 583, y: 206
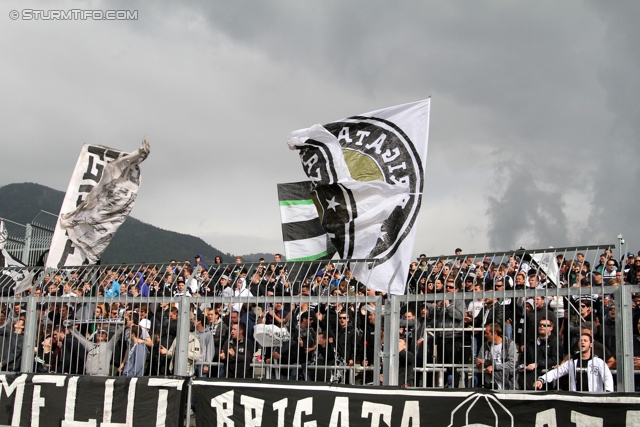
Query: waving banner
x: 367, y: 175
x: 100, y: 196
x: 302, y: 233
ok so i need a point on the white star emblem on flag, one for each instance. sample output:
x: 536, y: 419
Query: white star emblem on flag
x: 332, y: 203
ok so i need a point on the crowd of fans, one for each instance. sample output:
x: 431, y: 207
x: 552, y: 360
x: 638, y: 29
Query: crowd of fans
x: 451, y: 331
x: 547, y: 341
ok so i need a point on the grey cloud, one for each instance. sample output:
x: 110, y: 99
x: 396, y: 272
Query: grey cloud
x: 526, y: 215
x: 617, y: 155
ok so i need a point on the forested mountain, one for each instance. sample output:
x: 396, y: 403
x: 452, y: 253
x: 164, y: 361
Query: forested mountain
x: 135, y: 241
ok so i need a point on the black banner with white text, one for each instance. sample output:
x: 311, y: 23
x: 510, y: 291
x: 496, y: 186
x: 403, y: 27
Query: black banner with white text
x: 222, y: 403
x: 74, y: 401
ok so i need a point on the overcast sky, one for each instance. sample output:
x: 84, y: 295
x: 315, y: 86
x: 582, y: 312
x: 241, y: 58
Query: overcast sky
x: 535, y: 109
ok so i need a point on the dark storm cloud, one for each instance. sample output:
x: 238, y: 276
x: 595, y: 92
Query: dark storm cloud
x: 615, y: 182
x: 538, y: 71
x: 526, y: 215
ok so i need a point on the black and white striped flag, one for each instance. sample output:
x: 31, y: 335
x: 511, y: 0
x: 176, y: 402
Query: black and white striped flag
x: 302, y: 233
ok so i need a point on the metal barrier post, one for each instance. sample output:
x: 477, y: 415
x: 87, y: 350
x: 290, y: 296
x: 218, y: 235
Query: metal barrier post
x: 377, y: 343
x: 181, y: 355
x: 30, y: 328
x: 27, y: 245
x: 624, y: 340
x: 391, y: 336
x: 188, y: 415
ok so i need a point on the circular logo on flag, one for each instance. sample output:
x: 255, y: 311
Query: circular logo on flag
x: 376, y: 151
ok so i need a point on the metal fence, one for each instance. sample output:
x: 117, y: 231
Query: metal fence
x: 457, y: 326
x: 15, y: 238
x: 28, y: 243
x: 38, y: 236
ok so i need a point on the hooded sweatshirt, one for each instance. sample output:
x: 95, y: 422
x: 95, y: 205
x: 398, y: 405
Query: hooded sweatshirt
x: 99, y: 355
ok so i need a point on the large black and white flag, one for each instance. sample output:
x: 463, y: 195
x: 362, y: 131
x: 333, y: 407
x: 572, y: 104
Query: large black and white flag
x: 100, y: 196
x: 302, y: 232
x: 367, y: 174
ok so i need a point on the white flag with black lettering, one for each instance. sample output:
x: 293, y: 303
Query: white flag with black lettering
x: 368, y: 173
x: 100, y: 196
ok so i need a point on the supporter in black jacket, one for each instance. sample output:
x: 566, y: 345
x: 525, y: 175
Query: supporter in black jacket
x: 237, y: 353
x: 13, y: 337
x: 72, y: 354
x: 301, y: 347
x: 344, y: 339
x: 325, y: 356
x: 367, y: 352
x: 540, y: 356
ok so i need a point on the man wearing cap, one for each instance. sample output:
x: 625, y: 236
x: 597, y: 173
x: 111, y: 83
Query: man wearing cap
x: 222, y: 288
x: 159, y: 289
x: 597, y: 278
x: 181, y: 289
x: 469, y: 282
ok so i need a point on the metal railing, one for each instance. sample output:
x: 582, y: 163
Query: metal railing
x: 294, y: 325
x: 38, y: 236
x: 15, y: 238
x: 28, y: 243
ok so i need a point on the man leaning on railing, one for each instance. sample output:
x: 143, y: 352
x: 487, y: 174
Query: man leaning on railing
x: 586, y: 370
x: 496, y: 359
